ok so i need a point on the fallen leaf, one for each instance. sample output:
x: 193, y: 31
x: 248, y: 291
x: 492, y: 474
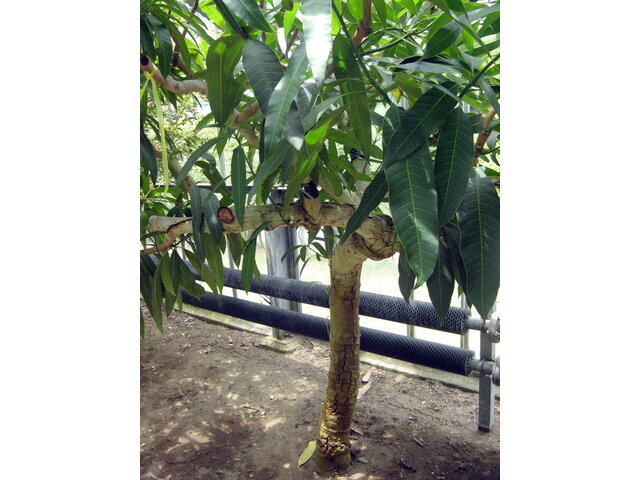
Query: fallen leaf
x: 307, y: 453
x: 362, y: 390
x: 367, y: 375
x: 356, y: 428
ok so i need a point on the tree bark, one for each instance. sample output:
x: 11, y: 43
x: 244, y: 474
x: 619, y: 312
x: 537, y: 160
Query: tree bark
x: 333, y: 438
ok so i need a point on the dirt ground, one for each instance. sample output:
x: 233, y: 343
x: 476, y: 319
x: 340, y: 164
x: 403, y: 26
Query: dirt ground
x: 214, y: 406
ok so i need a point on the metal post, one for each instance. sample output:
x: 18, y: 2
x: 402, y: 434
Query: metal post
x: 411, y: 329
x: 464, y: 338
x: 277, y: 242
x: 486, y: 396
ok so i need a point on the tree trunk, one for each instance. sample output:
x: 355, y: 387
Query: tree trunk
x: 332, y: 442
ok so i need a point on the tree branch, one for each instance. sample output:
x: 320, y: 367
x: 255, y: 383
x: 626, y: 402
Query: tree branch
x: 376, y: 236
x: 200, y: 86
x: 171, y: 84
x: 364, y: 28
x: 484, y: 136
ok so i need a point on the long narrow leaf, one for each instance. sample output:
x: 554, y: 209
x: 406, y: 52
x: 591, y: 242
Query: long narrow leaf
x: 346, y: 68
x: 390, y: 122
x: 248, y: 263
x: 249, y: 12
x: 222, y: 57
x: 165, y: 47
x: 453, y: 163
x: 214, y: 260
x: 442, y: 39
x: 264, y: 72
x: 156, y: 299
x: 148, y: 158
x: 491, y: 96
x: 197, y: 209
x: 479, y: 220
x: 440, y: 284
x: 452, y: 237
x: 406, y: 277
x: 413, y: 203
x: 417, y: 124
x: 282, y: 97
x: 316, y: 24
x: 193, y: 158
x: 239, y: 181
x: 210, y: 210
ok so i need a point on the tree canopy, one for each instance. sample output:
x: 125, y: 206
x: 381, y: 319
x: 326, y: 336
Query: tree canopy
x: 367, y: 100
x: 342, y: 105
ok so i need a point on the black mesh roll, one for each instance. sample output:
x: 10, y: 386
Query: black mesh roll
x: 421, y: 314
x: 421, y: 352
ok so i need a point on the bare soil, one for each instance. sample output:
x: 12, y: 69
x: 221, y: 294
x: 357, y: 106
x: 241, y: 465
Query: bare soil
x: 214, y: 406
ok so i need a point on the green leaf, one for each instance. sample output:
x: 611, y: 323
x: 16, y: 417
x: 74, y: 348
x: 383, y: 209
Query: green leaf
x: 146, y: 37
x: 145, y: 281
x: 316, y: 24
x: 141, y: 324
x: 304, y: 166
x: 236, y: 246
x: 307, y: 453
x: 290, y: 17
x: 346, y: 68
x: 166, y: 273
x: 329, y: 238
x: 222, y: 57
x: 484, y: 84
x: 282, y: 98
x: 239, y: 181
x: 156, y: 299
x: 214, y: 259
x: 269, y: 166
x: 210, y: 209
x: 413, y: 203
x: 381, y: 9
x: 417, y: 124
x: 452, y: 237
x: 391, y: 120
x: 197, y: 209
x: 197, y: 153
x: 148, y: 157
x: 406, y: 277
x: 188, y: 280
x: 371, y: 198
x: 165, y: 47
x: 174, y: 264
x: 249, y: 12
x: 453, y: 163
x: 248, y: 263
x: 479, y: 220
x: 264, y: 72
x: 144, y: 220
x: 440, y: 284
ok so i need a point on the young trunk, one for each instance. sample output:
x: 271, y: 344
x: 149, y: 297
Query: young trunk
x: 332, y: 442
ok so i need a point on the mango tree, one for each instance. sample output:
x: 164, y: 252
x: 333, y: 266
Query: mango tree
x: 344, y: 104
